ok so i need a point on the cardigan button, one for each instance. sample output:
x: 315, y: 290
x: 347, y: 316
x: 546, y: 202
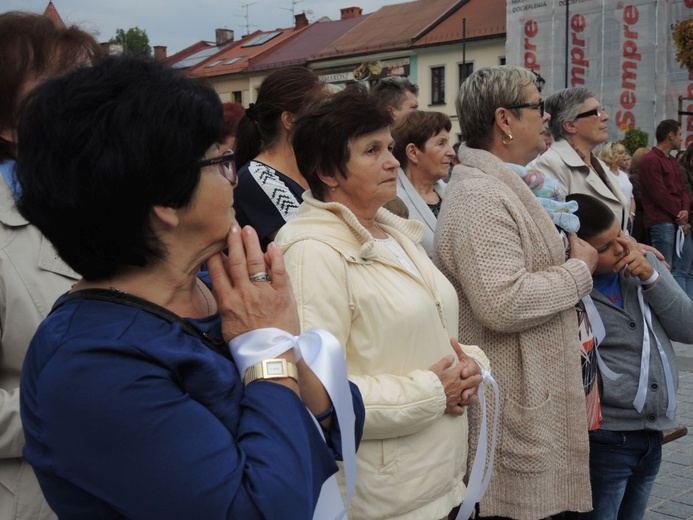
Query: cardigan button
x: 632, y: 325
x: 652, y: 417
x: 654, y: 386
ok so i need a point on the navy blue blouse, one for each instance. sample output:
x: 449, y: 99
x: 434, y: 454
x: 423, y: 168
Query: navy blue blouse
x: 126, y: 415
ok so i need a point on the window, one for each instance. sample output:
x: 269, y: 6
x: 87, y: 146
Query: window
x: 238, y: 96
x: 501, y: 60
x: 466, y: 70
x: 437, y: 85
x: 262, y: 38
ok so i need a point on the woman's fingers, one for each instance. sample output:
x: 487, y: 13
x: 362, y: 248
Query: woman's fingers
x: 238, y: 268
x: 280, y: 277
x: 255, y: 258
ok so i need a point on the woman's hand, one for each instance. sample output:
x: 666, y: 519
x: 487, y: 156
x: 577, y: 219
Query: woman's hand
x: 460, y: 381
x: 245, y: 305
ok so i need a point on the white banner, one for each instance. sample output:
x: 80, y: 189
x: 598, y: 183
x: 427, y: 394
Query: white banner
x: 621, y: 49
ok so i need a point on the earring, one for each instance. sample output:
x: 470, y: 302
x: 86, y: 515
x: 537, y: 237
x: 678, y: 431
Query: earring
x: 509, y: 137
x: 333, y: 188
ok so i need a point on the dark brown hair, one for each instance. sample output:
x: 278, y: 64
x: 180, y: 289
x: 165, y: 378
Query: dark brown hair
x: 416, y: 128
x: 33, y: 48
x: 286, y: 90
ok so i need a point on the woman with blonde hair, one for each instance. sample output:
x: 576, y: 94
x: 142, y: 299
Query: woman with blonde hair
x: 616, y: 158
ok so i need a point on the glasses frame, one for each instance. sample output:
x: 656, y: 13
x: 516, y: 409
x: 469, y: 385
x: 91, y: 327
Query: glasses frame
x: 534, y: 106
x: 589, y: 113
x: 227, y: 165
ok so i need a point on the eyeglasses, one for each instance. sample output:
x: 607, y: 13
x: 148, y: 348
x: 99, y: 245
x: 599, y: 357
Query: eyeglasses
x: 227, y: 166
x: 599, y: 111
x: 534, y: 106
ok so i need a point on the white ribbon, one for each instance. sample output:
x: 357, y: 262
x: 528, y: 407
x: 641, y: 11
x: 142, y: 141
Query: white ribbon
x: 322, y: 352
x: 680, y: 240
x: 641, y: 395
x: 599, y: 334
x: 478, y: 481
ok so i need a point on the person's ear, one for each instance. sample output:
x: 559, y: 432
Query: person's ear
x: 328, y: 180
x: 503, y: 118
x: 412, y: 153
x: 569, y: 127
x: 287, y: 119
x: 166, y: 216
x: 8, y: 135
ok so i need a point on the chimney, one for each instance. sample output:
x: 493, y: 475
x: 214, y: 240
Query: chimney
x: 160, y: 52
x: 223, y: 36
x: 301, y: 20
x: 111, y: 49
x: 351, y: 12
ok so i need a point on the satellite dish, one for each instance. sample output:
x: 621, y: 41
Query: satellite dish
x: 309, y: 14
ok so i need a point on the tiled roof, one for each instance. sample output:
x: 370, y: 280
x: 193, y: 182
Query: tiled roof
x: 298, y: 50
x: 392, y: 27
x: 236, y: 58
x: 52, y: 13
x: 484, y: 18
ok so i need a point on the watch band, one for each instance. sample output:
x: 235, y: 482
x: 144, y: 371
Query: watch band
x: 271, y: 369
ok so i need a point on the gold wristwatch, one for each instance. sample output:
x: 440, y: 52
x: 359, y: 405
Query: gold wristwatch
x: 271, y: 369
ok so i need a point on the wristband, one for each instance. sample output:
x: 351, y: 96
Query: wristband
x: 651, y: 279
x: 325, y: 414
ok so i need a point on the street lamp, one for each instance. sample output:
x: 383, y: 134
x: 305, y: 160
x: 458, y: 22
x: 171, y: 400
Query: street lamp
x: 539, y: 80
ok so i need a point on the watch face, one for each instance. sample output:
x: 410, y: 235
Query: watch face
x: 275, y: 368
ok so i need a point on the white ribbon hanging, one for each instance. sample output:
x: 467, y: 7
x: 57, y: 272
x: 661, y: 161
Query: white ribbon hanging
x: 680, y: 240
x: 641, y: 395
x: 322, y: 352
x: 599, y: 334
x: 478, y: 481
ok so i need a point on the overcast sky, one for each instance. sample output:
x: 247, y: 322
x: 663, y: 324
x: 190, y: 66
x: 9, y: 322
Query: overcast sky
x: 180, y: 23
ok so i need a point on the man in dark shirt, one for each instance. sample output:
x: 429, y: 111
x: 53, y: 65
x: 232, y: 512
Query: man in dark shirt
x: 664, y: 197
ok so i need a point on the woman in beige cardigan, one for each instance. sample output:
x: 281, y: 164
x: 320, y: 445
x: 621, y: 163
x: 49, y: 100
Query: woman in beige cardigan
x: 517, y: 292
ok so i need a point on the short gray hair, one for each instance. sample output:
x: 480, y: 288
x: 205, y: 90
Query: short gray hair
x: 563, y: 106
x: 482, y: 93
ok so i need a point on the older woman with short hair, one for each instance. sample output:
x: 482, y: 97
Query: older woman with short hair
x: 144, y: 395
x: 579, y: 124
x: 517, y: 291
x: 361, y: 272
x: 424, y: 152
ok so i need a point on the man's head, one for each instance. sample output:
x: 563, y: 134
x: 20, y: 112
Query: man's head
x: 669, y: 132
x: 397, y: 94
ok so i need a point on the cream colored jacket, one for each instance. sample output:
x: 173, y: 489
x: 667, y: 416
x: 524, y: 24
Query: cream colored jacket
x: 393, y: 326
x: 32, y: 276
x: 562, y: 162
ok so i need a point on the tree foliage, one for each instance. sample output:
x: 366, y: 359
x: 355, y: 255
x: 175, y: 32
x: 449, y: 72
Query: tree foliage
x: 682, y: 34
x: 634, y: 139
x: 134, y: 40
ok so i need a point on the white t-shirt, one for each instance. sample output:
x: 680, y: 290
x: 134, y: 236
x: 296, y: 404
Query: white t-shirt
x: 624, y: 185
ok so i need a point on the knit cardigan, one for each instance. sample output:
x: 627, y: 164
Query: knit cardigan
x: 517, y: 293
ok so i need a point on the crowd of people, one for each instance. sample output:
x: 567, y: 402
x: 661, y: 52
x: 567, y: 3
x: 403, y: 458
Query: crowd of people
x: 292, y: 310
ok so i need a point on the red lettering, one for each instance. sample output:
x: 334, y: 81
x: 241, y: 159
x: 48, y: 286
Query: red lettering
x: 577, y: 23
x: 625, y: 119
x: 531, y: 30
x: 688, y: 3
x: 628, y: 99
x: 631, y: 15
x: 578, y: 63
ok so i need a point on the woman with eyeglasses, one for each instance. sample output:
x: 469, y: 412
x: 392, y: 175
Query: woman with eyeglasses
x: 498, y: 245
x: 144, y: 394
x: 578, y: 125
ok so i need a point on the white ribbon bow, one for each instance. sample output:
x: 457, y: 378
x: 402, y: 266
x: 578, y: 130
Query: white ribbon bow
x: 478, y: 481
x: 322, y: 352
x: 680, y: 240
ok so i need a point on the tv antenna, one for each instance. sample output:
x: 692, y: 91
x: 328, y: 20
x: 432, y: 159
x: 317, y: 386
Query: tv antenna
x: 247, y: 17
x: 292, y: 9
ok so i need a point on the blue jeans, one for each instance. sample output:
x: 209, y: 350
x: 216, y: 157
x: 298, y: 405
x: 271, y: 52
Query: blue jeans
x: 623, y: 468
x: 663, y: 237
